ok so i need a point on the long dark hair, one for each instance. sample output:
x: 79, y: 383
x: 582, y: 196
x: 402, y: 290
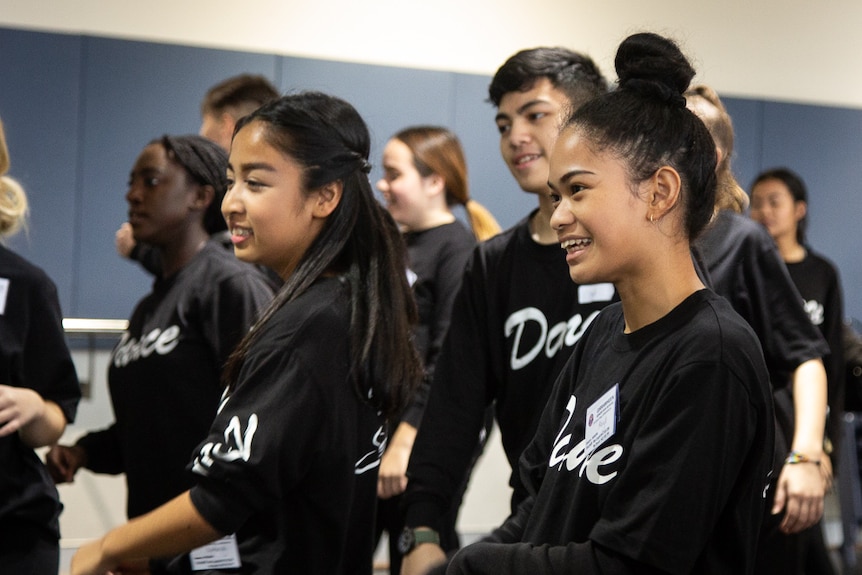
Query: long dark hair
x: 645, y: 122
x: 327, y: 137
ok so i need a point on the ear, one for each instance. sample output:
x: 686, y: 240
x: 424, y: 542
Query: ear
x: 800, y: 208
x: 663, y: 192
x: 326, y: 198
x: 203, y: 197
x: 435, y: 184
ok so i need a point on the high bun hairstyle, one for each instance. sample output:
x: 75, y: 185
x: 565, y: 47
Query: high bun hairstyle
x: 644, y: 121
x: 329, y: 140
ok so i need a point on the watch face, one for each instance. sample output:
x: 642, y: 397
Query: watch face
x: 406, y: 541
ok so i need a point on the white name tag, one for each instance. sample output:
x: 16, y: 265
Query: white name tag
x: 602, y: 419
x: 220, y: 554
x: 595, y: 292
x: 4, y: 291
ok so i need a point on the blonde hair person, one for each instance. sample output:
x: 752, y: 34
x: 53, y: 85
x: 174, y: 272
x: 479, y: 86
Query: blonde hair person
x: 704, y: 102
x: 39, y: 395
x: 424, y: 176
x: 437, y: 151
x: 13, y: 200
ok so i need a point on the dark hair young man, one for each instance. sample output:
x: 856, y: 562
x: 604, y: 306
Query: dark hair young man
x: 516, y: 316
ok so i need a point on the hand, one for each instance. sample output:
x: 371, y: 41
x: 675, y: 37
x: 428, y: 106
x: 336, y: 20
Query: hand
x: 63, y: 461
x: 422, y: 559
x: 392, y: 478
x: 18, y: 407
x: 799, y: 492
x: 124, y: 240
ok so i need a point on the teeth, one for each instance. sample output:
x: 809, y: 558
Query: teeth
x: 525, y: 159
x: 579, y: 243
x: 241, y: 232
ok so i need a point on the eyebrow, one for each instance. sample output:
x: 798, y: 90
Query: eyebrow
x: 523, y: 108
x: 249, y: 166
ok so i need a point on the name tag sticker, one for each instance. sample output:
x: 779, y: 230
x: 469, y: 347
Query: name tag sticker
x: 4, y: 291
x: 595, y: 292
x: 220, y: 554
x: 602, y: 419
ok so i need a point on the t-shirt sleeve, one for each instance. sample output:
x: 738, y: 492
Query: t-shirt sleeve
x: 777, y: 315
x: 263, y: 438
x: 48, y: 366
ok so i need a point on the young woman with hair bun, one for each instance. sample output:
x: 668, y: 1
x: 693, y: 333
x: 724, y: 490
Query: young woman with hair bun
x: 654, y: 450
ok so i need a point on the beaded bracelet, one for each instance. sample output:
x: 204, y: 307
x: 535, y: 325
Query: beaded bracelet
x: 796, y: 457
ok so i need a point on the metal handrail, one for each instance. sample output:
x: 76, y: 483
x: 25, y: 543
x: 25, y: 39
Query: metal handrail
x: 94, y: 326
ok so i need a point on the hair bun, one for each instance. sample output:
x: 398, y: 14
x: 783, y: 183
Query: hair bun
x: 653, y: 66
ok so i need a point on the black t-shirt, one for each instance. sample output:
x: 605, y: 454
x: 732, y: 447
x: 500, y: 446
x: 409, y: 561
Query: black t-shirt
x: 290, y: 463
x: 745, y: 267
x: 33, y: 354
x: 514, y: 322
x: 165, y: 374
x: 817, y: 280
x: 675, y: 483
x: 437, y: 258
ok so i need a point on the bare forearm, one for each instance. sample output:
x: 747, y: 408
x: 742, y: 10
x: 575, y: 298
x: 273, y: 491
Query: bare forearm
x: 174, y: 528
x: 45, y: 429
x: 809, y: 403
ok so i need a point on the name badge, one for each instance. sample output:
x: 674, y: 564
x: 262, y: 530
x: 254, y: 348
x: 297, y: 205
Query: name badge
x: 602, y: 419
x: 595, y: 292
x: 220, y: 554
x: 4, y: 291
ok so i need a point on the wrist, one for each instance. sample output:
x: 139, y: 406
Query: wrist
x: 797, y: 457
x: 411, y: 538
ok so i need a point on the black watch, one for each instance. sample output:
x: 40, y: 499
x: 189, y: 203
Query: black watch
x: 410, y: 538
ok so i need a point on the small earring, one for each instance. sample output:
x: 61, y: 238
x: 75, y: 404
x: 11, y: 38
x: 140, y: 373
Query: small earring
x: 651, y: 220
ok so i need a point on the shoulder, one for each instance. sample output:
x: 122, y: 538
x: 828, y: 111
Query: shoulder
x: 214, y: 265
x: 322, y: 311
x: 18, y: 269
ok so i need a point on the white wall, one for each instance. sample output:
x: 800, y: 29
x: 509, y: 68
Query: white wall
x: 795, y: 50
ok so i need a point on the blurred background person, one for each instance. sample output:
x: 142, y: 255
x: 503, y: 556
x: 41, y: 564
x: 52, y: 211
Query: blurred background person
x: 39, y: 395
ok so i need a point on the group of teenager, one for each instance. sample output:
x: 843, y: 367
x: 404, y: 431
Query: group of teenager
x: 657, y: 382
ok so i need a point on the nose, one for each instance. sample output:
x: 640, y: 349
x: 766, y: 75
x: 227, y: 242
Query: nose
x: 519, y: 133
x: 561, y: 217
x: 133, y: 194
x: 230, y: 203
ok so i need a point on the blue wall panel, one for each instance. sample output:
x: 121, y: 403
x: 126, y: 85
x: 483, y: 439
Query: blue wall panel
x: 78, y: 110
x: 39, y: 105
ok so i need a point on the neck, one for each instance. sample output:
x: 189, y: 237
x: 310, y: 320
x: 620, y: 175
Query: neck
x: 791, y: 250
x: 658, y: 289
x: 434, y: 220
x: 177, y: 255
x: 540, y: 224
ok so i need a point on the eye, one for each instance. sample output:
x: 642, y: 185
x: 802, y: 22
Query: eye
x: 555, y: 198
x: 576, y: 188
x: 230, y: 182
x: 151, y: 182
x: 503, y: 128
x: 536, y: 116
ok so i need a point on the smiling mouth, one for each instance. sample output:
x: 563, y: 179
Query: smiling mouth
x: 573, y: 245
x: 521, y: 160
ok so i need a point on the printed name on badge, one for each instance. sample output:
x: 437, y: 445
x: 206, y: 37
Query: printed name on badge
x: 602, y: 418
x: 220, y: 554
